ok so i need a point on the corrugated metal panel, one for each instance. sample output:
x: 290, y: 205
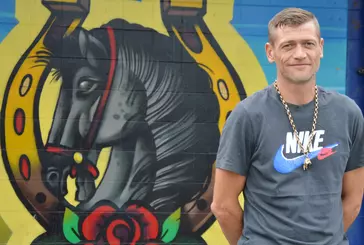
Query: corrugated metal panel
x: 355, y: 87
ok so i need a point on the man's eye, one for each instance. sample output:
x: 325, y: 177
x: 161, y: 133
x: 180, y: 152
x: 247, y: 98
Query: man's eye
x: 287, y: 46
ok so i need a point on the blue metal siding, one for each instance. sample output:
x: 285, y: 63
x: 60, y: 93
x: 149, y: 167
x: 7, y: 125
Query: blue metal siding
x: 355, y: 87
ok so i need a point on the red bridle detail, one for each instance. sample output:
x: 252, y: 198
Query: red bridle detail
x: 95, y: 124
x: 91, y: 168
x: 59, y: 150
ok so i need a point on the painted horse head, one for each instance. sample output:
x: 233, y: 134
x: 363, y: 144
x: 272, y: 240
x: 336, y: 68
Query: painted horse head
x: 139, y: 92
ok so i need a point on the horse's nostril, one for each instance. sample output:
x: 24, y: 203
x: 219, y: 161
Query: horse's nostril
x: 53, y: 177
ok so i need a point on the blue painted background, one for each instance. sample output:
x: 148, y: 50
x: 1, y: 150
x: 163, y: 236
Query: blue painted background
x: 7, y: 17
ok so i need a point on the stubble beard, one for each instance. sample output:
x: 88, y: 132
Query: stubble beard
x: 299, y: 79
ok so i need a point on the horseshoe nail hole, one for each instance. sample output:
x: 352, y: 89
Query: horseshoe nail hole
x: 223, y: 89
x: 40, y: 197
x: 201, y: 204
x: 25, y: 84
x: 19, y: 121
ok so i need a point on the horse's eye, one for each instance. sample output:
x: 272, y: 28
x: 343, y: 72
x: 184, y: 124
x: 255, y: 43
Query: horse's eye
x: 85, y: 87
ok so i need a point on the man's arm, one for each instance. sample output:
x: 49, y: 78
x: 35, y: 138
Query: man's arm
x: 226, y: 206
x: 352, y: 195
x: 353, y: 184
x: 237, y: 145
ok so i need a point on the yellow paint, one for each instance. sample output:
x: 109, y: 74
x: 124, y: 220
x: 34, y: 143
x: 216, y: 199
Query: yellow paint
x: 236, y: 49
x: 72, y: 27
x: 32, y: 16
x: 12, y: 139
x: 187, y: 3
x: 77, y: 157
x: 213, y: 65
x: 63, y: 1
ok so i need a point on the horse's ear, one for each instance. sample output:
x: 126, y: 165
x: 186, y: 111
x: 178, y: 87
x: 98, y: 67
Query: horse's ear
x: 83, y: 42
x: 91, y: 48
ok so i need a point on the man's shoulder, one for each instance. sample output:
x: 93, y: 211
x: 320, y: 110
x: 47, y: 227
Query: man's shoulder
x: 339, y: 101
x: 254, y: 106
x: 256, y: 100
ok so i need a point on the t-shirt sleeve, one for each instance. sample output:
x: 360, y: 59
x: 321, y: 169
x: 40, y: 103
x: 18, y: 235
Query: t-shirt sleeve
x: 236, y: 142
x: 356, y: 158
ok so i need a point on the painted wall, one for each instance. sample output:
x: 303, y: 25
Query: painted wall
x: 86, y: 128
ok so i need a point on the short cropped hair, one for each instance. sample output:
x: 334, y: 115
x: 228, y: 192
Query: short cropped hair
x: 291, y: 17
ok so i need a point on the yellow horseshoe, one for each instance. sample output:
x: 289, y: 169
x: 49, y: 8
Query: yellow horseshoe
x: 20, y: 131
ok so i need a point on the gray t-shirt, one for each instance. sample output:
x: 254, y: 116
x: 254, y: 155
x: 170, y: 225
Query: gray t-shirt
x: 283, y: 203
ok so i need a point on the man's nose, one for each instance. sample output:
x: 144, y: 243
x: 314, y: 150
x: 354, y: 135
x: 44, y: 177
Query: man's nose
x: 299, y: 53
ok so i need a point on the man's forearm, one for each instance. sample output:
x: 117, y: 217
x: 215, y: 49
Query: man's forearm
x: 350, y: 212
x: 231, y: 222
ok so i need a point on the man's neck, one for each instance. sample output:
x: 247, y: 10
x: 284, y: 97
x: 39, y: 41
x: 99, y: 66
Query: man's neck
x: 297, y: 94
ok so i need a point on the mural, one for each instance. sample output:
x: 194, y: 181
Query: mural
x: 111, y: 112
x: 111, y: 117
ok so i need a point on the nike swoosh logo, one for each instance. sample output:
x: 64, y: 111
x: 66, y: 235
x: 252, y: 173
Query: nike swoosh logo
x: 284, y: 165
x: 325, y: 153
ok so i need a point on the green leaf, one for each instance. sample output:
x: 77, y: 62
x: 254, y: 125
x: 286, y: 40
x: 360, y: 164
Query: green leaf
x: 70, y: 226
x: 170, y: 226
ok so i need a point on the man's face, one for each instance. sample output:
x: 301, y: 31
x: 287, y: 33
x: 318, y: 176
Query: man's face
x: 297, y: 51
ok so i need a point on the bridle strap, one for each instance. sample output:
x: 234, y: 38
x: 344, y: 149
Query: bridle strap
x: 96, y: 121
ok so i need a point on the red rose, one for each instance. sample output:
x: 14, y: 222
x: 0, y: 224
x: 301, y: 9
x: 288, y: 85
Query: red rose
x: 109, y: 225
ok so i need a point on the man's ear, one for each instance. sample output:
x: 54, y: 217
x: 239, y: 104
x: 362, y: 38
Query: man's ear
x: 269, y: 52
x: 322, y: 47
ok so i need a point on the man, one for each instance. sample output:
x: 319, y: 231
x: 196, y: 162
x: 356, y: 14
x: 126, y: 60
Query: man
x: 299, y: 187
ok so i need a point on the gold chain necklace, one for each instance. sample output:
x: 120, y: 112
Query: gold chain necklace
x: 307, y: 161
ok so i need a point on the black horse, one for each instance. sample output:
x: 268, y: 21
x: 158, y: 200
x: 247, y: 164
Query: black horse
x: 139, y: 92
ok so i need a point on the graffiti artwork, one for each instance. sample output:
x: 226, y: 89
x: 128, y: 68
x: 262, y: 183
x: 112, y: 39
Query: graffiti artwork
x: 129, y: 156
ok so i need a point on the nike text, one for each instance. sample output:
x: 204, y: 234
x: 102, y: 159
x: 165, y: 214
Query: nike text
x: 293, y: 147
